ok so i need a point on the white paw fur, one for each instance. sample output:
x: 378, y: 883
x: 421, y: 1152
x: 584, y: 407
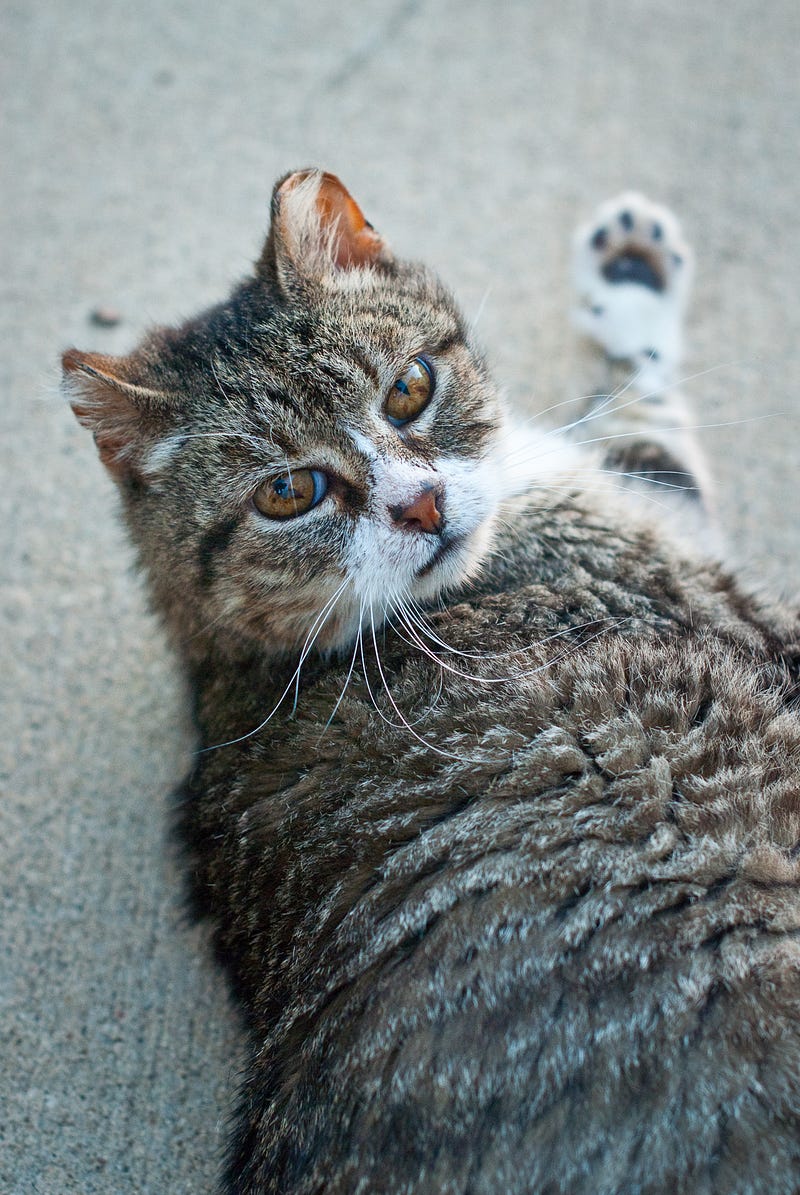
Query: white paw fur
x: 632, y: 271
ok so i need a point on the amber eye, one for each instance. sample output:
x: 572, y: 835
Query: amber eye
x: 291, y: 493
x: 411, y: 393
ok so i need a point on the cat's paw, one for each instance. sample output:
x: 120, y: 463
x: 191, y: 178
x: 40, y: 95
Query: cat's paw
x: 632, y: 270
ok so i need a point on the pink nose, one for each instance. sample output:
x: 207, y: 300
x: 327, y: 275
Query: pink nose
x: 424, y: 513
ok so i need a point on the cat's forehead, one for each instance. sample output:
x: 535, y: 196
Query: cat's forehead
x: 330, y: 348
x: 364, y: 311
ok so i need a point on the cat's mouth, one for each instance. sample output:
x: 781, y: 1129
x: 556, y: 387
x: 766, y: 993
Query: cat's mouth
x: 445, y: 549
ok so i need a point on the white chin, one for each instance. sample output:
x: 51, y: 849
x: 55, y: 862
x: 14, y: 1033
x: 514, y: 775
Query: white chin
x: 459, y: 562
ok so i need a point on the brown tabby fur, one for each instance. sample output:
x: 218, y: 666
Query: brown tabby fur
x: 543, y: 938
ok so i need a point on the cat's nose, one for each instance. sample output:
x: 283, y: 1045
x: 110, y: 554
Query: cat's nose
x: 423, y: 513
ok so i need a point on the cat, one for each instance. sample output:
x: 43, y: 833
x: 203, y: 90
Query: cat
x: 496, y: 811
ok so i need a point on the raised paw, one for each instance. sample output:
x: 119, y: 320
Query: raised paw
x: 632, y: 270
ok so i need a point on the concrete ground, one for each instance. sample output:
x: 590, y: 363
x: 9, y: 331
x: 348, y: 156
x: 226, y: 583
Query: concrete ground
x: 139, y: 146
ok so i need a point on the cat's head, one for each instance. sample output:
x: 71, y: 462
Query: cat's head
x: 308, y: 453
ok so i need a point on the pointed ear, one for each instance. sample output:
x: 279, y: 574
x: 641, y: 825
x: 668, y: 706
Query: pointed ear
x: 125, y: 417
x: 318, y: 227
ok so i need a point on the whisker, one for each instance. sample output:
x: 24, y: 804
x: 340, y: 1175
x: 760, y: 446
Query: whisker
x: 637, y: 433
x: 646, y: 479
x: 647, y: 476
x: 347, y: 679
x: 413, y: 607
x: 403, y: 721
x: 218, y: 380
x: 600, y: 402
x: 517, y: 673
x: 607, y: 409
x: 565, y: 402
x: 601, y: 396
x: 522, y: 672
x: 250, y: 438
x: 481, y: 306
x: 606, y: 404
x: 416, y: 641
x: 413, y: 640
x: 294, y: 681
x: 365, y: 671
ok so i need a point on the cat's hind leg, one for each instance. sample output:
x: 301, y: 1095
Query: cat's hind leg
x: 632, y: 271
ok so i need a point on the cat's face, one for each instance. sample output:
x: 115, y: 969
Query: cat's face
x: 309, y: 454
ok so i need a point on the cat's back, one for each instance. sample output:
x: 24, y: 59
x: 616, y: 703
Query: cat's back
x: 543, y: 890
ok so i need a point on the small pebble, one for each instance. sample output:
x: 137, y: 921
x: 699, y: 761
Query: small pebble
x: 105, y: 317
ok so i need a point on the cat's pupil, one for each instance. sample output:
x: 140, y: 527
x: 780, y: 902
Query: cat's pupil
x: 281, y: 487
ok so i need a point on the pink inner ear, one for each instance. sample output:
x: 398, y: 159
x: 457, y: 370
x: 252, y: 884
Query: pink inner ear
x: 355, y: 242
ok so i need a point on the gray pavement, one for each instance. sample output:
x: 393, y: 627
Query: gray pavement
x: 139, y: 146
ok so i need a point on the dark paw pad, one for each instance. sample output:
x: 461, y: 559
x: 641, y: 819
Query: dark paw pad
x: 633, y: 267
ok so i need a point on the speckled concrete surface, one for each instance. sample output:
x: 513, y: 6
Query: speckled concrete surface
x: 139, y: 146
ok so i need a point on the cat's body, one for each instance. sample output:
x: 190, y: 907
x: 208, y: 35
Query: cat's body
x: 508, y: 886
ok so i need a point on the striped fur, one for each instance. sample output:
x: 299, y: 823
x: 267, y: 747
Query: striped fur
x: 506, y: 875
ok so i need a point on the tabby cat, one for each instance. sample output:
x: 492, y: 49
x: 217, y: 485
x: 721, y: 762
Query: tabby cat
x: 497, y: 807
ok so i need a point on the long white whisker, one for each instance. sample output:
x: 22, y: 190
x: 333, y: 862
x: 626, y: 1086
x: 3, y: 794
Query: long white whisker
x: 403, y: 721
x: 294, y: 680
x: 413, y: 640
x: 347, y: 679
x: 637, y: 433
x: 557, y: 436
x: 414, y: 611
x: 218, y: 380
x: 602, y: 397
x: 365, y: 670
x: 602, y: 404
x: 565, y: 402
x: 416, y: 641
x: 597, y: 411
x: 254, y: 440
x: 606, y: 405
x: 388, y: 621
x: 481, y: 306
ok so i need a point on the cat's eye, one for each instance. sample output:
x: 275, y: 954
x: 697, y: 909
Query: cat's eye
x: 411, y: 393
x: 291, y: 493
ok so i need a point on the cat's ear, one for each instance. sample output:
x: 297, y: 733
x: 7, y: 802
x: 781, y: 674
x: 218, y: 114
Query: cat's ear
x: 126, y: 418
x: 317, y: 227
